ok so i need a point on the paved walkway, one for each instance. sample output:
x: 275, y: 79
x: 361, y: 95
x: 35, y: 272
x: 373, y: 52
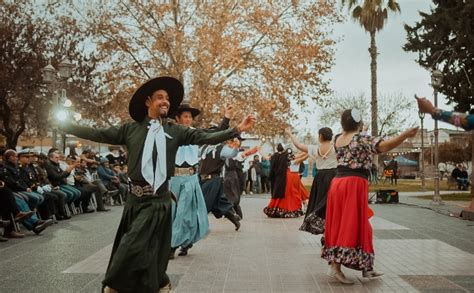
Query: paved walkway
x: 418, y: 249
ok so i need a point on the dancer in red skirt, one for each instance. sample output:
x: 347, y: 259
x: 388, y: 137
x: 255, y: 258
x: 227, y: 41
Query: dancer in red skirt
x: 348, y: 234
x: 289, y: 206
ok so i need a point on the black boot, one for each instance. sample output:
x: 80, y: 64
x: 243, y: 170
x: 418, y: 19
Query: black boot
x: 234, y: 219
x: 184, y: 250
x: 173, y: 250
x: 238, y: 211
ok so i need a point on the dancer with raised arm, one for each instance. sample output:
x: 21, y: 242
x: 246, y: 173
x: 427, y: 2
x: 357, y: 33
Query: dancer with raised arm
x: 295, y: 194
x: 190, y: 221
x: 348, y: 234
x: 142, y: 245
x: 324, y: 156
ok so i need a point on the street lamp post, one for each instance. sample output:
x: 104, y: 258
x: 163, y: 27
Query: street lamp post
x: 431, y: 148
x: 423, y: 188
x: 436, y: 81
x: 55, y: 79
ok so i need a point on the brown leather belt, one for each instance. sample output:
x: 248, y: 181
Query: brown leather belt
x: 183, y: 171
x: 143, y: 189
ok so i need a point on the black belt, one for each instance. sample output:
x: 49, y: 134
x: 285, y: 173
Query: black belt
x: 208, y: 176
x: 342, y: 171
x: 142, y: 188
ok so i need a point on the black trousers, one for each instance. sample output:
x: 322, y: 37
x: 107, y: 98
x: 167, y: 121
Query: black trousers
x: 48, y: 207
x: 59, y: 200
x: 7, y: 207
x: 265, y: 184
x: 86, y: 195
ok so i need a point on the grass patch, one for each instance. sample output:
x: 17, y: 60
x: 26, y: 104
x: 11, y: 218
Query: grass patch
x: 452, y: 196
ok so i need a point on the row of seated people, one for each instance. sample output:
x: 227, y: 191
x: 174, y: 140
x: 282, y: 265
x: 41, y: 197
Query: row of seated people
x: 39, y: 190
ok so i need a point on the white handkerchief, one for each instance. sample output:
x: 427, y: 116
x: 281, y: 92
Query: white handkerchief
x: 155, y: 136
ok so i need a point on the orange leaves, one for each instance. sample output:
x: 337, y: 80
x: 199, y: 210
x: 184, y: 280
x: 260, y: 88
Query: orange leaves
x: 261, y: 56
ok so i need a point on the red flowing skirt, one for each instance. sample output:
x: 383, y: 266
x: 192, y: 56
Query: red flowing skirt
x: 290, y: 205
x: 348, y: 233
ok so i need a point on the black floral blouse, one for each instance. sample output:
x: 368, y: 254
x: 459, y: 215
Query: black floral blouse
x: 359, y: 152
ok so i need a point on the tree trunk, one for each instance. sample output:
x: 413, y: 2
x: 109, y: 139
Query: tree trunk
x: 12, y: 141
x: 373, y: 73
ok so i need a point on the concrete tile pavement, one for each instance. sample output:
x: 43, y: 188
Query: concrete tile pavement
x: 418, y: 249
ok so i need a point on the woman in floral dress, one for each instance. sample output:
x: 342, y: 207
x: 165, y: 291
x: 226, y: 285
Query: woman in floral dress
x: 348, y: 234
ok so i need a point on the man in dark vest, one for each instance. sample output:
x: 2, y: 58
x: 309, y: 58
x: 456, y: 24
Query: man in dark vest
x: 143, y: 242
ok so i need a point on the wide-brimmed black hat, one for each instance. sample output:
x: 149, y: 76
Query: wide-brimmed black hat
x: 137, y: 108
x: 185, y: 107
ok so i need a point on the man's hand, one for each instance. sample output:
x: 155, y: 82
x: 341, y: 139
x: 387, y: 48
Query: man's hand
x: 425, y: 105
x: 247, y: 123
x: 70, y: 168
x: 229, y: 112
x: 29, y: 190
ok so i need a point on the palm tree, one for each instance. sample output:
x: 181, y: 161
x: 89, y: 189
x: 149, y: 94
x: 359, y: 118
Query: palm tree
x: 372, y: 16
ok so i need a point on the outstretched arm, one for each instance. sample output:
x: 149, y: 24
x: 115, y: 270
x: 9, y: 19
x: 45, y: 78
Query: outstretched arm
x: 386, y: 145
x: 200, y: 137
x: 300, y: 146
x: 457, y: 119
x: 300, y: 158
x: 111, y: 135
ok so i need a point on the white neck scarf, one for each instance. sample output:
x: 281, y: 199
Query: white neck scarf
x: 155, y: 136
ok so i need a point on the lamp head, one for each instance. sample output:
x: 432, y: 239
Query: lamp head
x: 436, y: 78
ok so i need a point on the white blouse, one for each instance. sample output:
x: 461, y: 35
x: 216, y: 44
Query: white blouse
x: 323, y: 161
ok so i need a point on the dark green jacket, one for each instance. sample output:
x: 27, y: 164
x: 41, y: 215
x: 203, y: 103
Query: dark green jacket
x: 133, y: 135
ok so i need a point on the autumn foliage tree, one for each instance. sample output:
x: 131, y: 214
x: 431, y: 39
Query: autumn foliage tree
x: 31, y: 36
x: 260, y: 56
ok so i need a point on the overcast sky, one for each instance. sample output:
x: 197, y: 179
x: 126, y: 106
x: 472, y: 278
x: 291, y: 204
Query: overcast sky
x: 397, y: 70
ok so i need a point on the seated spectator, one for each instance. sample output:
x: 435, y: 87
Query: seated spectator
x: 9, y: 207
x: 460, y: 177
x: 88, y: 156
x: 57, y: 177
x: 110, y: 179
x: 14, y: 181
x: 465, y: 177
x: 100, y: 190
x: 39, y: 163
x: 108, y: 195
x: 75, y: 180
x: 14, y: 204
x: 121, y: 174
x: 28, y: 175
x: 113, y: 156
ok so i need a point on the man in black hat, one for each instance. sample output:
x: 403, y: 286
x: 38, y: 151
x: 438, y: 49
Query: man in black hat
x: 190, y: 221
x: 143, y: 242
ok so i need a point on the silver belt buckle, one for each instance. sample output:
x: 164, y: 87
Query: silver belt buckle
x: 137, y: 190
x: 140, y: 191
